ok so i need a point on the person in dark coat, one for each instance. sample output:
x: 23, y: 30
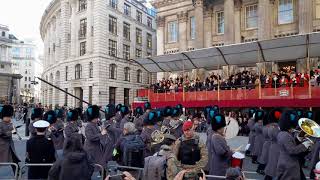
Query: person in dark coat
x: 118, y: 116
x: 94, y: 138
x: 274, y: 150
x: 316, y: 148
x: 176, y: 124
x: 219, y: 150
x: 148, y: 128
x: 36, y: 114
x: 55, y: 131
x: 288, y: 166
x: 76, y: 164
x: 138, y: 118
x: 39, y: 150
x: 167, y: 113
x: 259, y: 138
x: 7, y: 149
x: 252, y: 134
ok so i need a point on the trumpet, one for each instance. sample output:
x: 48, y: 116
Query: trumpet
x: 310, y: 128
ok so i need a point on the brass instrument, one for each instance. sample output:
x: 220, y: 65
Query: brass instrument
x: 310, y: 128
x: 157, y: 136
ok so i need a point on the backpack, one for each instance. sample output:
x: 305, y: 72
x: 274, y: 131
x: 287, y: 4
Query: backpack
x: 133, y: 151
x: 155, y: 167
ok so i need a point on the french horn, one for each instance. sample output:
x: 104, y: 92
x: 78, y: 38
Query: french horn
x: 157, y: 136
x: 310, y: 128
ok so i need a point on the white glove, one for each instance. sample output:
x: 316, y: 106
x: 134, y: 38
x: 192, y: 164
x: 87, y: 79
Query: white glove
x: 307, y: 144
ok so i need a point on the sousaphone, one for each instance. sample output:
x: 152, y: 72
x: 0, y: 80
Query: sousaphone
x: 310, y: 128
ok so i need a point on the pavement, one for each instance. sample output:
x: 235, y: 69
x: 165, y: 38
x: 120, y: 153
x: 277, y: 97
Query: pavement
x: 234, y: 143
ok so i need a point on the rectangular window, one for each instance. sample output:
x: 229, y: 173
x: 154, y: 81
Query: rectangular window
x: 126, y: 52
x: 126, y: 31
x: 138, y: 53
x: 138, y: 36
x: 285, y: 11
x: 220, y: 22
x: 252, y: 16
x: 112, y: 95
x: 113, y: 25
x: 317, y: 3
x: 54, y: 47
x: 82, y: 5
x: 192, y: 27
x: 29, y: 78
x: 126, y: 96
x: 149, y: 41
x: 82, y: 48
x: 113, y: 4
x: 112, y: 48
x: 66, y: 97
x: 127, y: 9
x: 66, y: 73
x: 149, y: 54
x: 90, y: 94
x: 25, y: 85
x: 29, y: 86
x: 173, y: 31
x: 83, y: 28
x: 25, y: 78
x: 139, y: 16
x: 149, y: 22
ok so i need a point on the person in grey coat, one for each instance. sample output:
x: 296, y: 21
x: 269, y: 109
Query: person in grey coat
x: 55, y: 131
x: 147, y: 130
x: 252, y: 134
x: 125, y: 114
x: 36, y: 114
x: 7, y: 149
x: 259, y: 138
x: 219, y: 150
x: 274, y: 150
x: 288, y: 166
x: 94, y: 143
x: 118, y: 116
x: 139, y: 116
x: 175, y: 123
x: 72, y: 127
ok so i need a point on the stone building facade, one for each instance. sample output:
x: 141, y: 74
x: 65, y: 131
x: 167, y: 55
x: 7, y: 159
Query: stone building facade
x: 194, y: 24
x: 88, y: 50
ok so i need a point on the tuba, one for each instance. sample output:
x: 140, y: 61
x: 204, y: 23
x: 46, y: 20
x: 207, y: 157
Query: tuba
x: 310, y: 128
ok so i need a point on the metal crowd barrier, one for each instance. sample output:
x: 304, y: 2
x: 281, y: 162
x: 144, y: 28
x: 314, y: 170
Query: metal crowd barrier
x: 102, y: 170
x: 12, y: 164
x: 140, y: 170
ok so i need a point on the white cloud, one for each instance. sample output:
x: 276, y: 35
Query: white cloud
x: 23, y: 18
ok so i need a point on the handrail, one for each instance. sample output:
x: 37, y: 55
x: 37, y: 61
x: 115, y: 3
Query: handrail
x: 140, y: 170
x: 11, y: 164
x: 32, y: 165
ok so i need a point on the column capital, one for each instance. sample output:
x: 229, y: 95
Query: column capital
x: 198, y: 3
x: 183, y: 16
x: 237, y: 4
x: 160, y: 21
x: 272, y: 1
x: 207, y: 13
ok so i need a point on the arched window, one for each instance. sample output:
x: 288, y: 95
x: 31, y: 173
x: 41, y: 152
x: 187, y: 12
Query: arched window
x: 113, y: 71
x: 127, y: 74
x: 78, y: 71
x: 139, y: 76
x: 90, y: 70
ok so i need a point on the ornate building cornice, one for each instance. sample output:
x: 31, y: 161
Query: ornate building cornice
x: 197, y: 3
x: 237, y: 4
x: 207, y: 12
x: 160, y: 21
x: 162, y: 3
x: 183, y: 16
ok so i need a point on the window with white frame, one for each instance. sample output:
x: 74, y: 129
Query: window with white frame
x: 127, y: 9
x: 252, y: 16
x: 220, y: 22
x: 285, y: 11
x: 149, y: 41
x: 192, y: 27
x: 112, y: 48
x: 113, y: 4
x: 113, y: 25
x: 138, y: 36
x: 83, y: 28
x: 172, y: 31
x: 113, y: 71
x: 82, y: 48
x: 139, y: 76
x: 149, y: 22
x: 138, y: 53
x: 78, y: 71
x: 82, y: 5
x: 126, y: 31
x: 317, y: 10
x: 66, y: 78
x: 127, y: 74
x: 139, y: 16
x: 90, y: 70
x: 126, y: 52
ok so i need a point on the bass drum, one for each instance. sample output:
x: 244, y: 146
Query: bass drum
x: 232, y: 128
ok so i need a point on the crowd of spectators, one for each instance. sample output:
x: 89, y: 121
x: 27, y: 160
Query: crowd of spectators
x: 241, y: 80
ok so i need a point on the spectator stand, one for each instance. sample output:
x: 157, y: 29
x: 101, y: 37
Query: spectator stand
x: 276, y: 50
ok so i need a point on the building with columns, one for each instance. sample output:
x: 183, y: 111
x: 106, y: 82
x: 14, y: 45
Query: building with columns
x: 194, y: 24
x: 88, y: 50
